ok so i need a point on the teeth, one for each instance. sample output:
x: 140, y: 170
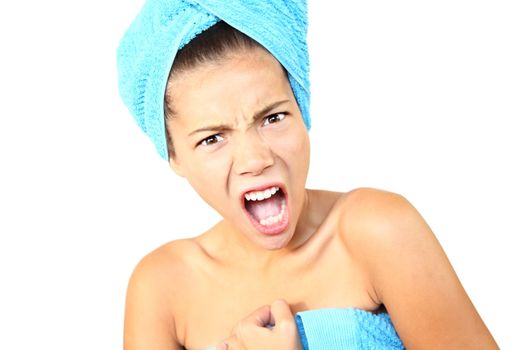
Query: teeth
x: 274, y: 219
x: 261, y: 195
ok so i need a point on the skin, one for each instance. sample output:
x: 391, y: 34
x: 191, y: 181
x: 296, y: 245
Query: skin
x: 367, y: 248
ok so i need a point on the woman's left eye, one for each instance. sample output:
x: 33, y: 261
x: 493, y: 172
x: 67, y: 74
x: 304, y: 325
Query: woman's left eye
x: 274, y: 118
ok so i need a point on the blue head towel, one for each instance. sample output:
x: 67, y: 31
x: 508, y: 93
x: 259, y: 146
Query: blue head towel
x: 148, y: 49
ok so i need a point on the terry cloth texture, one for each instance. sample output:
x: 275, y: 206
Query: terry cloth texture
x: 148, y: 49
x: 346, y: 328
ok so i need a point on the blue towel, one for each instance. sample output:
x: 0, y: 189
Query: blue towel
x: 346, y: 329
x: 148, y: 49
x: 343, y: 329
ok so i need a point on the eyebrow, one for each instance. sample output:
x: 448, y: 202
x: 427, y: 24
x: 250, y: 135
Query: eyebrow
x: 257, y: 115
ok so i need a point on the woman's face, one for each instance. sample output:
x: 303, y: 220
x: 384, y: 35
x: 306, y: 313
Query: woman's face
x: 240, y: 141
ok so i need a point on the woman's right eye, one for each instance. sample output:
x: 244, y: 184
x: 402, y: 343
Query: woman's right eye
x: 210, y: 140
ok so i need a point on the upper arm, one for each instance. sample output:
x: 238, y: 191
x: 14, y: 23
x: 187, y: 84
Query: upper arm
x: 413, y: 278
x: 148, y: 323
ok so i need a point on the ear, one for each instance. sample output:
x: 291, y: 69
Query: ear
x: 175, y: 164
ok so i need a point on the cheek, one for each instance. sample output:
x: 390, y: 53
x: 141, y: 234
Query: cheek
x: 293, y: 146
x: 207, y: 174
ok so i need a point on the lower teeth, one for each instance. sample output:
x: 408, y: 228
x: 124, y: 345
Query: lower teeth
x: 274, y: 219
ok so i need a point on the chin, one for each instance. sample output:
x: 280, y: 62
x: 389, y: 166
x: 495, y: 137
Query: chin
x: 275, y: 242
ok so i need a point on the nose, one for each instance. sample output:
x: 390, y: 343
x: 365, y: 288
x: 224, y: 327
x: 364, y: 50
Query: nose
x: 252, y: 155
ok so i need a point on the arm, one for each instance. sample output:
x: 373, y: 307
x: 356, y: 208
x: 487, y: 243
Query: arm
x: 411, y: 274
x: 148, y: 324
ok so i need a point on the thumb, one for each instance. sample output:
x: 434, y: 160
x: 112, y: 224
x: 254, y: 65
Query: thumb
x: 260, y: 317
x: 281, y: 311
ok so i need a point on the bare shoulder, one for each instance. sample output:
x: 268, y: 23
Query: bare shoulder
x: 410, y: 273
x: 155, y: 288
x: 167, y: 271
x: 370, y: 200
x: 172, y: 258
x: 375, y: 225
x: 385, y: 232
x: 369, y: 217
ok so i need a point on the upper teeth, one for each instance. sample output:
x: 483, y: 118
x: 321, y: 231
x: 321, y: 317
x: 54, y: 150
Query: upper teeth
x: 261, y: 195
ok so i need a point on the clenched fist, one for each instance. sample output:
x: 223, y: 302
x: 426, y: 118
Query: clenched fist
x: 269, y: 327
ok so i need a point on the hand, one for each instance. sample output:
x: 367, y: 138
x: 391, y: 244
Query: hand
x: 269, y: 327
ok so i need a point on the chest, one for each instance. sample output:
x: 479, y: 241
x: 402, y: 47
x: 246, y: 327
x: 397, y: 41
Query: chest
x: 215, y: 305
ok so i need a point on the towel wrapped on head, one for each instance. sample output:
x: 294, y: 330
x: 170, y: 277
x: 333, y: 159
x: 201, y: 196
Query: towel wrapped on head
x: 149, y: 47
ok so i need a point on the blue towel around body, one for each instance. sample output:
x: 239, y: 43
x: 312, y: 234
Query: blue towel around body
x: 346, y: 329
x: 149, y: 47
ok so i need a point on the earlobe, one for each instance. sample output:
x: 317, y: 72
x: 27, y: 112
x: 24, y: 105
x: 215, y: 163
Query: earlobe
x: 175, y: 165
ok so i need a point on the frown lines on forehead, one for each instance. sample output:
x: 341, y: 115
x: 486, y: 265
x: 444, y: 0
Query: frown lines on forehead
x: 257, y: 116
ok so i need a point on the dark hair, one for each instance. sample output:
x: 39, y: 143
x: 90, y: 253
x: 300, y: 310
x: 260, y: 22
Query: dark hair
x: 214, y: 44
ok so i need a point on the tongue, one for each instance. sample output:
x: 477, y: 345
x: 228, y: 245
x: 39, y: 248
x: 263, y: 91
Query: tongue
x: 265, y: 208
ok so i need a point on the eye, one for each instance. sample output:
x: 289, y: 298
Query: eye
x: 210, y: 140
x: 274, y: 118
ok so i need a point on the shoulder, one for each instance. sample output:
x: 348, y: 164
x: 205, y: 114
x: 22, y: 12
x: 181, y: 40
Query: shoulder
x: 166, y: 266
x: 156, y: 286
x: 375, y: 217
x: 372, y: 201
x: 378, y: 227
x: 409, y: 272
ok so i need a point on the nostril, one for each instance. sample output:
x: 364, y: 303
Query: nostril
x: 253, y: 166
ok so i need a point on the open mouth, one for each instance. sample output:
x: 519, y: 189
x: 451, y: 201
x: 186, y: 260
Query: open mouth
x: 267, y: 209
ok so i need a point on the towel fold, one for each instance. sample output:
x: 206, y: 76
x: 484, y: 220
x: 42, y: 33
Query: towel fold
x: 148, y: 49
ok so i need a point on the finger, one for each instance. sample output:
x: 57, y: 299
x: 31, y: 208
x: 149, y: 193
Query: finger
x: 280, y: 311
x: 260, y: 317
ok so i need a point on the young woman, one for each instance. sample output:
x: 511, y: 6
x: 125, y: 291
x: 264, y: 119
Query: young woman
x: 236, y: 132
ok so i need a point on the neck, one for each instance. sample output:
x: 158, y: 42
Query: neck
x: 238, y: 247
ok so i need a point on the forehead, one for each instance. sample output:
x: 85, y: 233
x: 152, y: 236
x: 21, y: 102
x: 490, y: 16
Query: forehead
x: 231, y: 88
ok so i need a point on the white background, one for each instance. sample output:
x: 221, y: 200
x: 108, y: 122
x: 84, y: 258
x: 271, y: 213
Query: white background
x: 421, y: 98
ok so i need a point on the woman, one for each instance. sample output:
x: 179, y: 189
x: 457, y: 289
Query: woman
x: 236, y: 128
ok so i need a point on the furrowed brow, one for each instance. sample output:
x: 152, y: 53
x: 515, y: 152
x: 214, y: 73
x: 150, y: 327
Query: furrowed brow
x: 267, y: 109
x: 211, y: 128
x: 258, y: 115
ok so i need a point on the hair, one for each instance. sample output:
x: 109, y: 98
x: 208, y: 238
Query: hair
x: 212, y: 45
